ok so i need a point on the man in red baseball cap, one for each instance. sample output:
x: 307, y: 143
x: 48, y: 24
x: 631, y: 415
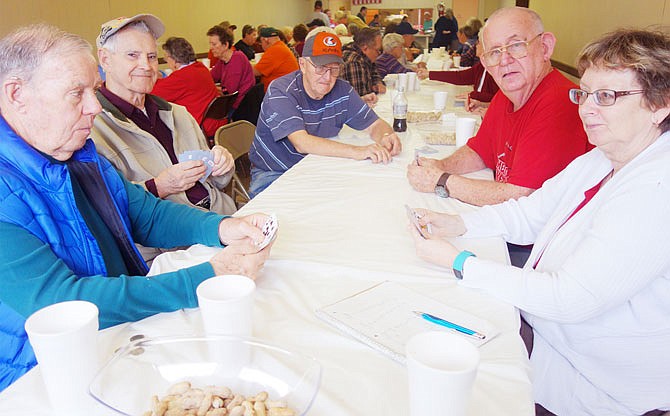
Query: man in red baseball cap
x: 304, y: 109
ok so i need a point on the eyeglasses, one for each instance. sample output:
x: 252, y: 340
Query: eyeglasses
x: 322, y: 69
x: 602, y: 98
x: 517, y: 50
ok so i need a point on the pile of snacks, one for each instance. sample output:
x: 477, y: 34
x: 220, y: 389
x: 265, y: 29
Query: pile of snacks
x: 184, y: 400
x: 440, y: 137
x: 418, y: 116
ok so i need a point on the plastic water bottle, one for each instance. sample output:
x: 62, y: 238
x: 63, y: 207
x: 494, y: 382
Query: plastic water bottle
x: 400, y: 111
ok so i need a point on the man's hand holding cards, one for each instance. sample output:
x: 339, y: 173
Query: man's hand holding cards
x: 204, y: 155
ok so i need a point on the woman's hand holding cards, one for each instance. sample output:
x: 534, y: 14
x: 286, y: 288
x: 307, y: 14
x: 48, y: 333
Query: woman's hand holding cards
x: 248, y: 234
x: 248, y: 243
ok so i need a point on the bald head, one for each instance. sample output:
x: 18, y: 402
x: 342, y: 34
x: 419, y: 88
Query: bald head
x: 520, y: 16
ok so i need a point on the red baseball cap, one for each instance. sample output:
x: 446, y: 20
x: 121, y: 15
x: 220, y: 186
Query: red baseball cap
x: 323, y: 48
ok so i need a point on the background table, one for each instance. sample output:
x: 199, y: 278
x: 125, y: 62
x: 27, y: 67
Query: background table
x: 343, y: 228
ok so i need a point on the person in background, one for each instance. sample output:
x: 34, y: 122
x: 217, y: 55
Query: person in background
x: 190, y: 83
x: 143, y: 135
x: 319, y: 13
x: 246, y: 44
x: 466, y: 37
x: 258, y: 45
x: 343, y: 33
x: 484, y: 86
x: 362, y: 13
x: 230, y: 28
x: 427, y: 22
x: 344, y: 17
x: 277, y: 61
x: 287, y: 31
x: 407, y: 32
x: 233, y: 70
x: 359, y: 64
x: 72, y: 219
x: 305, y: 108
x: 389, y: 62
x: 531, y: 131
x: 594, y: 292
x: 476, y: 26
x: 375, y: 22
x: 329, y: 13
x: 300, y: 32
x: 283, y: 39
x: 446, y: 28
x: 314, y: 24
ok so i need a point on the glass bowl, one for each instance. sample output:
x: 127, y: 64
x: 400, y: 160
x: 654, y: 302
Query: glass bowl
x: 149, y: 367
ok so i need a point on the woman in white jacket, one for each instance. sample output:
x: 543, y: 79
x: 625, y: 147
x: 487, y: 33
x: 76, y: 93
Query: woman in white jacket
x: 596, y: 287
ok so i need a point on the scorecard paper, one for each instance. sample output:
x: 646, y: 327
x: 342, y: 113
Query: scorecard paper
x: 383, y: 318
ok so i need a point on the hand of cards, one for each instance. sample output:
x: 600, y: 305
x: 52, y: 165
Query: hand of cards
x: 206, y: 156
x: 269, y: 231
x: 413, y: 216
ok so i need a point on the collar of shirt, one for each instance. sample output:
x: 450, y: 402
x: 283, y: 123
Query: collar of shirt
x: 133, y: 113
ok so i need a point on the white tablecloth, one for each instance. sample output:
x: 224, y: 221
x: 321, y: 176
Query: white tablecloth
x: 343, y: 228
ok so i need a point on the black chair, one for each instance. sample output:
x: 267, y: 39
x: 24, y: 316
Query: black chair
x: 218, y: 109
x: 250, y: 106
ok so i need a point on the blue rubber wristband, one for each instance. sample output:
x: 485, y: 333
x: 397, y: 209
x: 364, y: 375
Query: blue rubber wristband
x: 459, y: 261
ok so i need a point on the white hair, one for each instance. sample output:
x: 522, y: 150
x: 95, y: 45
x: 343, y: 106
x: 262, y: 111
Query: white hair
x: 392, y: 40
x: 23, y: 51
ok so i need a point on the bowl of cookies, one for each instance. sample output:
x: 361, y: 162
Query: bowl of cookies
x: 207, y: 376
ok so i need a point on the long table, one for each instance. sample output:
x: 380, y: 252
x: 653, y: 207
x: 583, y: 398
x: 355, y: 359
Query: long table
x: 343, y: 228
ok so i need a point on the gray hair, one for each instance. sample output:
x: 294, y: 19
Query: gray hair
x: 392, y: 40
x: 532, y: 19
x: 140, y: 26
x: 23, y: 51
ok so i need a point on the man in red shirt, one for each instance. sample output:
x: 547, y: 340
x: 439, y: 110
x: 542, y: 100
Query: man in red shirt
x: 277, y: 60
x: 530, y: 132
x: 190, y: 83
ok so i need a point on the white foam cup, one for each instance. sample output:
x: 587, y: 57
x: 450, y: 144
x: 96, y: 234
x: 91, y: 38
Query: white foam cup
x: 465, y: 128
x: 440, y: 100
x: 441, y: 369
x: 64, y: 337
x: 226, y: 304
x: 412, y: 82
x: 402, y: 81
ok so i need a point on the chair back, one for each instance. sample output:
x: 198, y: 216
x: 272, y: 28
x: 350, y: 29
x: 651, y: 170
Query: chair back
x: 250, y: 106
x: 219, y: 107
x: 237, y: 138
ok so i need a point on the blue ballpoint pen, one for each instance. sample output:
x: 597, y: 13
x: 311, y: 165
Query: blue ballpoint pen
x: 439, y: 321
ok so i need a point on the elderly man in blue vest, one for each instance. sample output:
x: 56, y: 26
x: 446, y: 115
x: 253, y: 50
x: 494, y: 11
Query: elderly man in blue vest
x: 69, y: 221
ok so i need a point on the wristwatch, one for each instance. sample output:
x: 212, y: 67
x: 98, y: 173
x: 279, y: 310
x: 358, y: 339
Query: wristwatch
x: 441, y: 187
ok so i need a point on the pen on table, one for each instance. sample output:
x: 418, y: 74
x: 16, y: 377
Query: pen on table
x: 442, y: 322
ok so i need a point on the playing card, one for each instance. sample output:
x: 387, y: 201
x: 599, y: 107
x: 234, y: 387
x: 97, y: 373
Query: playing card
x: 414, y: 219
x: 206, y: 156
x: 269, y: 230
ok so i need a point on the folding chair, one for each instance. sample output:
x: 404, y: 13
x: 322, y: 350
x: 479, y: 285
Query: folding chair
x: 236, y: 137
x: 218, y: 109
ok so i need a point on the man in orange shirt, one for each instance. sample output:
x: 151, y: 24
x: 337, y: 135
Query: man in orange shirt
x: 277, y: 60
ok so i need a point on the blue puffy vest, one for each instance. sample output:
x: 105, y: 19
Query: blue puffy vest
x: 37, y: 195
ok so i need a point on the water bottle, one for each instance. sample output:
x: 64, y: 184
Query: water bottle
x: 400, y: 111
